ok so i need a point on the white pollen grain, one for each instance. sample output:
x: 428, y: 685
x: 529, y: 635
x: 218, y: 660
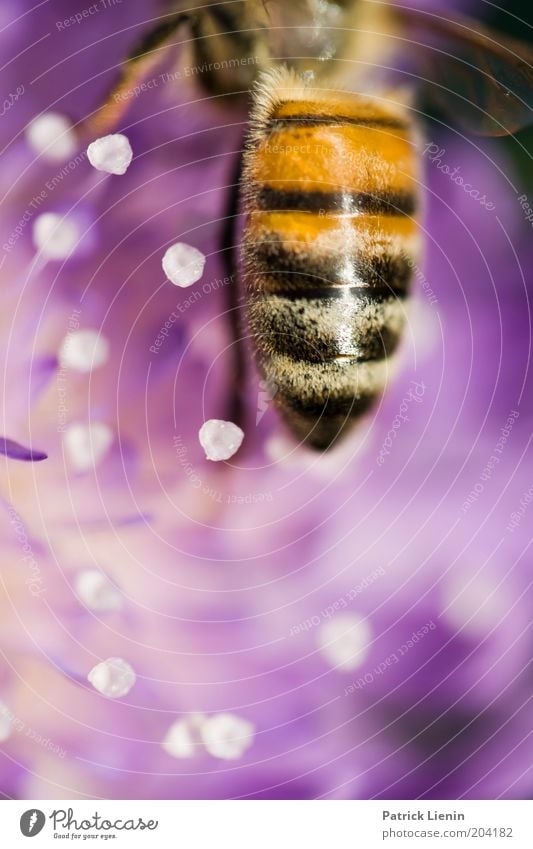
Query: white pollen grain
x: 227, y: 736
x: 344, y: 640
x: 96, y: 591
x: 52, y: 136
x: 113, y: 677
x: 183, y: 738
x: 183, y: 264
x: 84, y: 350
x: 87, y: 444
x: 112, y: 154
x: 219, y: 439
x: 55, y: 236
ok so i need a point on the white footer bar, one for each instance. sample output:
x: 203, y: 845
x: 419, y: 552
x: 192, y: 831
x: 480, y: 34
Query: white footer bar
x: 268, y: 824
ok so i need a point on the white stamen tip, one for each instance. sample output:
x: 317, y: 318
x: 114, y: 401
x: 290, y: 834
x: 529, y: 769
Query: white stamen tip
x: 183, y: 264
x: 97, y: 592
x: 84, y: 350
x: 52, y: 136
x: 112, y: 154
x: 220, y: 440
x: 344, y: 640
x: 113, y: 677
x: 87, y: 444
x: 55, y: 236
x: 6, y: 725
x: 227, y: 736
x: 183, y: 738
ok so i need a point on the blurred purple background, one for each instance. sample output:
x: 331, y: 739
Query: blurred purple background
x: 364, y: 617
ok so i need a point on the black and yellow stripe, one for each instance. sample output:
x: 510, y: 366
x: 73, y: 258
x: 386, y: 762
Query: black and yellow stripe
x: 288, y: 268
x: 340, y: 202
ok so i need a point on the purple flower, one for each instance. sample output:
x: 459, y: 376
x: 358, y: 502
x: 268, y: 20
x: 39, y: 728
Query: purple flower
x: 352, y: 625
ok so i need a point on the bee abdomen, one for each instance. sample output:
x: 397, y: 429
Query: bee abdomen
x: 329, y: 246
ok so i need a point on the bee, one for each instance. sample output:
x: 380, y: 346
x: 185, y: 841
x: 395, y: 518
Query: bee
x: 329, y: 181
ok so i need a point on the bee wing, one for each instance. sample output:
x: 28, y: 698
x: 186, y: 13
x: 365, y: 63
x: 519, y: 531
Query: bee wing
x: 482, y: 79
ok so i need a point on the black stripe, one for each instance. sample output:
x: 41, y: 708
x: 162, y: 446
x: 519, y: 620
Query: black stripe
x: 320, y: 331
x: 333, y: 406
x: 343, y: 202
x: 375, y: 294
x: 290, y: 121
x: 326, y: 429
x: 324, y: 426
x: 290, y: 267
x: 318, y: 350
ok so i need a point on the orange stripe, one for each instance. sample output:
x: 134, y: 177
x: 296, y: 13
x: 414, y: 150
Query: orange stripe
x: 335, y: 157
x: 323, y: 232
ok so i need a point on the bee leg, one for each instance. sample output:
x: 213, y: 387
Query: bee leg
x: 229, y: 248
x: 144, y: 57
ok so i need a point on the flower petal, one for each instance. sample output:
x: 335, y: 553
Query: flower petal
x: 16, y: 451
